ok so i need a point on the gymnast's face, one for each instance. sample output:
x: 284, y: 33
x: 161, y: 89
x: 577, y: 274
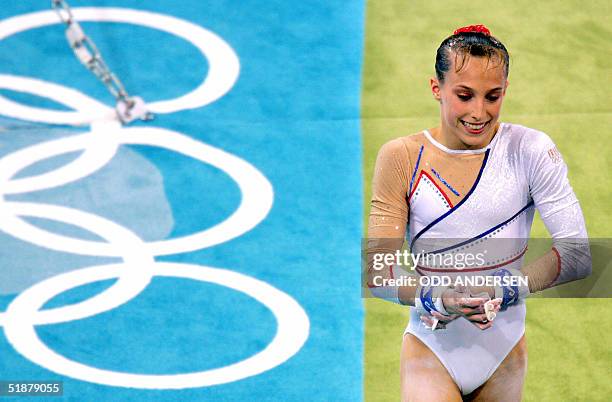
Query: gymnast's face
x: 470, y: 102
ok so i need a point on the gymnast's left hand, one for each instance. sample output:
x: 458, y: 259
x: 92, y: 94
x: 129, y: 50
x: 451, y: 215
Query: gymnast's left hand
x: 461, y: 301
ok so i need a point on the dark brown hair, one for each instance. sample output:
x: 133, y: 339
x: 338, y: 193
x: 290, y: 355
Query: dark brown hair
x: 464, y: 44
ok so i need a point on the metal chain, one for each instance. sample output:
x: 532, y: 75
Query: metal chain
x: 128, y: 108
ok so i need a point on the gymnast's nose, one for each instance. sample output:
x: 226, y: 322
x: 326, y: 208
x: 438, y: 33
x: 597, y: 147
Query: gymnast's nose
x: 478, y: 112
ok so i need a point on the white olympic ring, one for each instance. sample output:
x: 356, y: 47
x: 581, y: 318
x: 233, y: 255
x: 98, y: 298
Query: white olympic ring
x: 223, y: 66
x: 292, y: 331
x: 137, y: 258
x: 257, y: 192
x: 88, y: 109
x: 98, y: 147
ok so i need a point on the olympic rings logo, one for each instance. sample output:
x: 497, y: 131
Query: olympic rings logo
x: 138, y: 265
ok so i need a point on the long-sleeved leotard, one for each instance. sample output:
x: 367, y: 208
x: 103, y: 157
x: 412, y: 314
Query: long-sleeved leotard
x: 473, y: 201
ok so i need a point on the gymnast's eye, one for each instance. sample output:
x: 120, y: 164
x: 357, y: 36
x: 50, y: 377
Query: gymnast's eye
x: 492, y: 98
x: 464, y: 97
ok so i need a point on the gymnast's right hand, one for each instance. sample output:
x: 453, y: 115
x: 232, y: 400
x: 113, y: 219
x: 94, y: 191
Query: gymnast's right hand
x: 458, y: 301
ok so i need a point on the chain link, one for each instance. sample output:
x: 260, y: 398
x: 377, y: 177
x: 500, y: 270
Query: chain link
x: 128, y: 108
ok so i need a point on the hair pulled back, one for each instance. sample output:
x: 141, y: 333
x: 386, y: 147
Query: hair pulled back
x: 473, y: 40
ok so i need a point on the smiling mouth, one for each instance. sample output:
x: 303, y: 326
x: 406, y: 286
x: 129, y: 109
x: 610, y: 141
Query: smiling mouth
x: 474, y: 128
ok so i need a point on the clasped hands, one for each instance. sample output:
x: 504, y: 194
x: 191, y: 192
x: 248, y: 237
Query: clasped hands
x: 463, y: 302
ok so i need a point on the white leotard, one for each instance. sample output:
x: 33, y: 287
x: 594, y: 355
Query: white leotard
x: 521, y: 170
x: 465, y: 202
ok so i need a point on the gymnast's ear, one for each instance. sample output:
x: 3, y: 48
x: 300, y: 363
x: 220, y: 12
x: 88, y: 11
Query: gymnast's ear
x: 435, y: 88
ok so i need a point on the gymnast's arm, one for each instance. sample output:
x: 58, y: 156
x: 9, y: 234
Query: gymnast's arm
x: 388, y: 219
x: 570, y: 257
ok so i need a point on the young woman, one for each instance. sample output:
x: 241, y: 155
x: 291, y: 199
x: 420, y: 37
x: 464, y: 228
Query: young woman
x: 470, y: 187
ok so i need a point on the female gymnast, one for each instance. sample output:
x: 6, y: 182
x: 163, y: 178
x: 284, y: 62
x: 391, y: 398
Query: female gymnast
x: 469, y: 187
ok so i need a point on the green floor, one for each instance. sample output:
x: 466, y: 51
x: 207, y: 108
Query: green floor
x: 560, y: 78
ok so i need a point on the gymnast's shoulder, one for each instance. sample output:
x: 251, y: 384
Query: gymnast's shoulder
x: 404, y: 148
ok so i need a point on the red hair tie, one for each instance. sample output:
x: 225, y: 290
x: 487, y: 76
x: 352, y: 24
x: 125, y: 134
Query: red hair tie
x: 473, y: 28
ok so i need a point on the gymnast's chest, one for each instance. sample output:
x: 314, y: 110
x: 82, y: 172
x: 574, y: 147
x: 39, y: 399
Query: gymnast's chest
x: 483, y: 195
